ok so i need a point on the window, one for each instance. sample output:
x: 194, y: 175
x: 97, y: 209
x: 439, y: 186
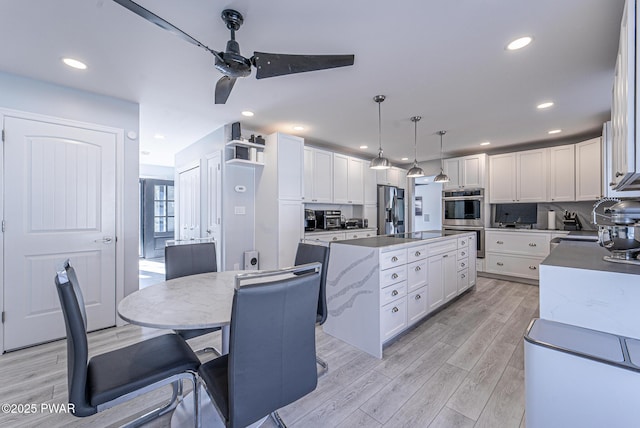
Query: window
x: 163, y: 208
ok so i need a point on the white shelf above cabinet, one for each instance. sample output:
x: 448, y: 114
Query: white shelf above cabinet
x: 242, y: 143
x: 244, y: 162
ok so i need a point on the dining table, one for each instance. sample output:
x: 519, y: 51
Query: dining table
x: 188, y: 303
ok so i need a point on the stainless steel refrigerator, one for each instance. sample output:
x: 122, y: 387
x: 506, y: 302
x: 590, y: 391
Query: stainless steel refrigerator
x: 390, y: 210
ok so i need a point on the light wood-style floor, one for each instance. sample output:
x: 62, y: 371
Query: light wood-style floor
x: 462, y: 367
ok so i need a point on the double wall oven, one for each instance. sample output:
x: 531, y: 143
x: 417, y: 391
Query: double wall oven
x: 463, y: 211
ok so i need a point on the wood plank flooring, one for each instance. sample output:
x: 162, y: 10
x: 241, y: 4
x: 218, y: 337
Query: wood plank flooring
x: 462, y: 367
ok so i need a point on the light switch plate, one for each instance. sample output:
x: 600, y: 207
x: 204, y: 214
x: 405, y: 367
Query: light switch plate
x: 240, y: 210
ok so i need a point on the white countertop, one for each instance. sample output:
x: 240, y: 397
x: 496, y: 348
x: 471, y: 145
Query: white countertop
x: 355, y: 229
x: 520, y: 230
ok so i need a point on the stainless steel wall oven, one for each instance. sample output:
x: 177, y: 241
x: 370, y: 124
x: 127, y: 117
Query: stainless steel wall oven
x: 463, y: 211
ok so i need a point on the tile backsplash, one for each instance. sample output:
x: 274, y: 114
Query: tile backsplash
x: 582, y: 209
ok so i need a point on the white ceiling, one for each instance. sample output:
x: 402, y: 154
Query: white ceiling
x: 441, y: 59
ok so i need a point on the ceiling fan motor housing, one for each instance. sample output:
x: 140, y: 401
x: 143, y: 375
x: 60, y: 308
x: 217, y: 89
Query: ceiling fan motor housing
x: 234, y: 65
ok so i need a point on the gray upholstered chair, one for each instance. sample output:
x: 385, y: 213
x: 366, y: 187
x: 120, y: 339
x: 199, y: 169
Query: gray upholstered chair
x: 310, y: 253
x: 191, y: 259
x: 114, y: 377
x: 272, y: 354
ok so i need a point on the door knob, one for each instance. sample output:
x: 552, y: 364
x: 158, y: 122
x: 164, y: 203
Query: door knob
x: 105, y: 240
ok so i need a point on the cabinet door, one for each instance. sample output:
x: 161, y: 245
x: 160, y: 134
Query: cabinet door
x: 531, y: 179
x: 589, y: 170
x: 355, y: 181
x: 562, y: 173
x: 401, y: 178
x: 472, y: 260
x: 502, y: 178
x: 451, y: 167
x: 382, y: 177
x: 393, y: 318
x: 472, y: 171
x: 435, y: 273
x: 322, y: 176
x: 290, y: 167
x: 370, y: 186
x: 340, y: 178
x: 417, y: 306
x: 392, y: 176
x: 371, y: 214
x: 308, y: 174
x: 290, y: 231
x: 417, y: 275
x: 450, y: 275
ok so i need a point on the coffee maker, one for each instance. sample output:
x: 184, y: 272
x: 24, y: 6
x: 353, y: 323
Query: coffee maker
x: 309, y: 220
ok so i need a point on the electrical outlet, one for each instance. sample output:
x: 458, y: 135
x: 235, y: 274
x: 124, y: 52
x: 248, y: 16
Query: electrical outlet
x: 426, y: 217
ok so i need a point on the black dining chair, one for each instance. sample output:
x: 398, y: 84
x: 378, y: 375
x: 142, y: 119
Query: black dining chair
x: 191, y: 259
x: 109, y: 379
x: 272, y: 354
x: 310, y: 253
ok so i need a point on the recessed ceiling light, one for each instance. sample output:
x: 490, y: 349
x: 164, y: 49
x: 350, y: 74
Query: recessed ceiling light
x: 555, y: 131
x: 364, y: 147
x: 145, y: 152
x: 545, y: 105
x: 519, y: 43
x: 486, y: 143
x: 75, y: 63
x: 298, y: 128
x: 159, y: 137
x: 247, y: 113
x: 404, y: 159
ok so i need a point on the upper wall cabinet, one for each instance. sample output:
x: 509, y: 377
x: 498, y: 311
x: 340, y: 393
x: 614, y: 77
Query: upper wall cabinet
x: 466, y: 172
x: 318, y: 171
x: 502, y: 178
x: 589, y: 170
x: 518, y: 177
x: 290, y: 165
x: 370, y: 186
x: 348, y: 180
x: 625, y: 159
x: 562, y: 173
x: 392, y: 177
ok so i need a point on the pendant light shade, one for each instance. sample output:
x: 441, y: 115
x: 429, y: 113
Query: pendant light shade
x: 379, y: 162
x: 442, y: 177
x: 415, y: 170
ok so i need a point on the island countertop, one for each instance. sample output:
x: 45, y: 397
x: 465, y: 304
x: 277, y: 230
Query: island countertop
x: 586, y: 255
x: 398, y: 239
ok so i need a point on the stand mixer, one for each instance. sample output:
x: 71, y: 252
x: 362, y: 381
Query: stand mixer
x: 619, y: 229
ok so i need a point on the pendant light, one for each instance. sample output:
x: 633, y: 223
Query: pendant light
x: 415, y: 170
x: 379, y: 162
x: 442, y: 177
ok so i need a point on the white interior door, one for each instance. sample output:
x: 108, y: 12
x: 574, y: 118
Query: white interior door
x: 189, y: 203
x: 214, y: 203
x: 60, y: 194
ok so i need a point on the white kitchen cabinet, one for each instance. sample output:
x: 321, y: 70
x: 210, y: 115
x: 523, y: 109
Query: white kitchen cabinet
x: 562, y: 173
x: 589, y: 170
x: 357, y: 234
x: 516, y: 253
x: 348, y: 180
x: 466, y: 171
x: 393, y: 176
x: 401, y: 178
x: 325, y: 237
x: 417, y: 274
x: 290, y: 230
x: 289, y: 164
x: 318, y: 175
x: 531, y: 175
x: 370, y: 186
x: 442, y: 281
x: 473, y: 262
x: 502, y: 178
x: 417, y: 305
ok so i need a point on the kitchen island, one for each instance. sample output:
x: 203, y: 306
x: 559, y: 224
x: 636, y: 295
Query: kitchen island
x: 578, y: 287
x: 378, y: 287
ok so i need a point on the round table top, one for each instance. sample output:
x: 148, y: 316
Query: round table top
x: 191, y: 302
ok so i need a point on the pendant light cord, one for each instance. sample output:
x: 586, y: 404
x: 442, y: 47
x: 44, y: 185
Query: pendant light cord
x: 415, y: 142
x: 379, y: 128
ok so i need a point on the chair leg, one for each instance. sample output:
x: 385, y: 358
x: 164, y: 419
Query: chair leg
x: 197, y: 417
x: 324, y: 366
x: 208, y: 349
x: 176, y: 397
x: 278, y: 420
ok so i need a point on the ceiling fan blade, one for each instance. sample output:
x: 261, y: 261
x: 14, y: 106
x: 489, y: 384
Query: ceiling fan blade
x: 152, y: 17
x: 223, y: 88
x: 271, y: 65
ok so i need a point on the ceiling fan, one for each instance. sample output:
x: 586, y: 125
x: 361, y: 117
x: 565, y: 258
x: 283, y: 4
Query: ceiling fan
x: 233, y: 65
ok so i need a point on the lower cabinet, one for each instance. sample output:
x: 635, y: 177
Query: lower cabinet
x: 443, y: 284
x: 520, y: 266
x: 393, y: 318
x: 417, y: 305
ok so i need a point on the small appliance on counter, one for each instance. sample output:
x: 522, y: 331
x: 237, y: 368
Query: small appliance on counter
x: 619, y: 230
x: 309, y: 220
x: 353, y: 223
x: 328, y: 219
x: 571, y: 221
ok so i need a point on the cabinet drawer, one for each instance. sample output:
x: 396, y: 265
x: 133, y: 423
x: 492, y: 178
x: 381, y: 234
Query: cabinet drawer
x: 463, y: 264
x: 390, y: 259
x: 325, y: 237
x: 442, y: 247
x: 359, y: 234
x: 463, y: 280
x: 463, y: 253
x: 524, y: 267
x: 393, y: 292
x: 463, y: 242
x: 417, y: 306
x: 416, y: 274
x: 393, y: 318
x: 518, y: 242
x: 416, y: 253
x: 393, y: 275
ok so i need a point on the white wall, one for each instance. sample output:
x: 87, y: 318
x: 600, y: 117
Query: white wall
x: 431, y: 218
x: 157, y: 172
x: 34, y: 96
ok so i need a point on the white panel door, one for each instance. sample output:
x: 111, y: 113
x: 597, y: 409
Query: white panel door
x: 60, y: 202
x: 472, y: 169
x: 589, y: 170
x: 451, y: 167
x: 189, y: 203
x: 502, y: 178
x: 562, y: 178
x: 531, y: 168
x: 214, y: 203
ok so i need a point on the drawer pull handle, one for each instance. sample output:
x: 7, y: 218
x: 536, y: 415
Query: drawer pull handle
x: 531, y: 244
x: 500, y: 264
x: 464, y: 243
x: 463, y: 276
x: 395, y: 309
x: 394, y: 259
x: 355, y: 236
x: 463, y: 254
x: 418, y: 268
x: 335, y: 238
x: 533, y: 268
x: 418, y: 297
x: 446, y: 255
x: 499, y: 242
x: 417, y: 254
x: 394, y: 293
x: 462, y: 264
x: 394, y: 276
